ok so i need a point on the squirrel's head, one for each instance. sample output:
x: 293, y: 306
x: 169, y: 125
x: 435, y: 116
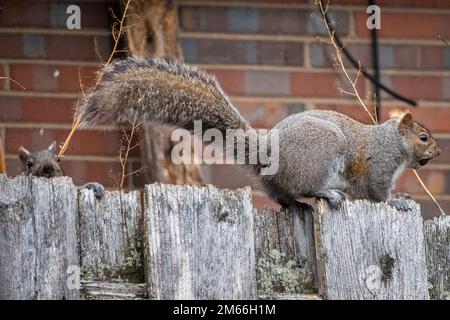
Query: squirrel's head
x: 45, y: 163
x: 417, y: 139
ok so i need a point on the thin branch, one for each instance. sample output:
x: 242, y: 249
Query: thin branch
x: 125, y: 151
x: 77, y: 119
x: 443, y: 40
x: 16, y: 82
x: 341, y: 64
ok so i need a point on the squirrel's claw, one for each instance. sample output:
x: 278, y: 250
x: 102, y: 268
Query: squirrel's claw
x: 334, y: 197
x: 99, y: 190
x: 401, y: 201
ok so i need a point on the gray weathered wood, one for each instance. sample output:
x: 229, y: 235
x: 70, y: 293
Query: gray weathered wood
x: 285, y: 251
x: 304, y: 239
x: 91, y: 290
x: 110, y: 236
x: 437, y: 237
x: 289, y: 296
x: 371, y: 251
x: 38, y: 244
x: 201, y: 243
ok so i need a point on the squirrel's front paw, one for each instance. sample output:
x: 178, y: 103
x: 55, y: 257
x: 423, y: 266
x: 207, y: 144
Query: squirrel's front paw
x: 401, y: 201
x: 99, y: 190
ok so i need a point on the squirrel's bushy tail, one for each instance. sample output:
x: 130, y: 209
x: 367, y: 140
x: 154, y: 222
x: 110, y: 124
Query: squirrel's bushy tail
x: 157, y: 90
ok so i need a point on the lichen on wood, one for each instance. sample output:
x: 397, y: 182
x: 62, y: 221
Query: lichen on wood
x: 437, y: 237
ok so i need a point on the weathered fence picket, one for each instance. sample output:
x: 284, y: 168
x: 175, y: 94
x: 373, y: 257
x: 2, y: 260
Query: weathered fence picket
x: 284, y: 251
x: 110, y: 236
x: 185, y: 242
x: 38, y: 242
x: 370, y: 251
x: 437, y: 237
x: 201, y: 243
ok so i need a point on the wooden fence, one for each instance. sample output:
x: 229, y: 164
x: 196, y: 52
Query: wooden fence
x: 184, y: 242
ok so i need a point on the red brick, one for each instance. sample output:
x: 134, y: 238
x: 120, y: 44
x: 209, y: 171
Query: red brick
x: 232, y: 81
x: 24, y: 13
x: 418, y: 87
x: 401, y: 3
x: 70, y: 77
x: 431, y: 57
x: 36, y: 109
x: 406, y: 25
x: 77, y: 47
x: 51, y: 78
x: 14, y: 47
x: 435, y: 180
x: 38, y: 14
x: 444, y: 157
x: 319, y: 84
x: 82, y: 172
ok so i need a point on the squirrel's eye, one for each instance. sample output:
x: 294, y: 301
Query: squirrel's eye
x: 30, y: 163
x: 423, y: 137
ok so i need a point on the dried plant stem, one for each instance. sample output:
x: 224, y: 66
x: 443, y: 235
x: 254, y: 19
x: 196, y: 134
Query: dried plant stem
x: 116, y: 36
x: 16, y: 82
x: 2, y: 159
x: 356, y: 94
x: 125, y: 152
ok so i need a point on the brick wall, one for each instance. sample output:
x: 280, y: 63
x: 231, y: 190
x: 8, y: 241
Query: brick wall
x: 264, y: 53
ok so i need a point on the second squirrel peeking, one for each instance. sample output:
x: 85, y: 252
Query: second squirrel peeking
x: 321, y: 154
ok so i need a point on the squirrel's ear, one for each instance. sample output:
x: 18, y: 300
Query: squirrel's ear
x: 52, y: 147
x: 24, y: 154
x: 403, y: 118
x: 406, y: 119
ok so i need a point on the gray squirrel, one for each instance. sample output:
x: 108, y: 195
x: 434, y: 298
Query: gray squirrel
x: 322, y: 154
x: 46, y: 163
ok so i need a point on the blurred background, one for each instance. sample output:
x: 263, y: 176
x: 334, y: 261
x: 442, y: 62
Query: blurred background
x: 266, y: 55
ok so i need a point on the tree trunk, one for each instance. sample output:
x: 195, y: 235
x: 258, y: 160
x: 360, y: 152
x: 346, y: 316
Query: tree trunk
x: 153, y: 32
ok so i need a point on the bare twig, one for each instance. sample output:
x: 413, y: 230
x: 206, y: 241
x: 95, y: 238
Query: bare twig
x: 116, y: 35
x: 443, y: 40
x: 16, y: 82
x: 125, y: 151
x: 2, y: 159
x: 341, y: 65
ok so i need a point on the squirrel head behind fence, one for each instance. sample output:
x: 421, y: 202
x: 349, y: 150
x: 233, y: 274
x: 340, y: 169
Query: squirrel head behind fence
x: 417, y: 139
x: 44, y: 163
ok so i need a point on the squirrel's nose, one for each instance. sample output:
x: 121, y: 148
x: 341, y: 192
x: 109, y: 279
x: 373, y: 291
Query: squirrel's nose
x: 48, y: 168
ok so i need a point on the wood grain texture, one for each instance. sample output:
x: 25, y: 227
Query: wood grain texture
x: 91, y: 290
x: 437, y: 237
x: 285, y: 252
x: 38, y: 243
x: 110, y: 235
x: 201, y: 243
x: 371, y: 251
